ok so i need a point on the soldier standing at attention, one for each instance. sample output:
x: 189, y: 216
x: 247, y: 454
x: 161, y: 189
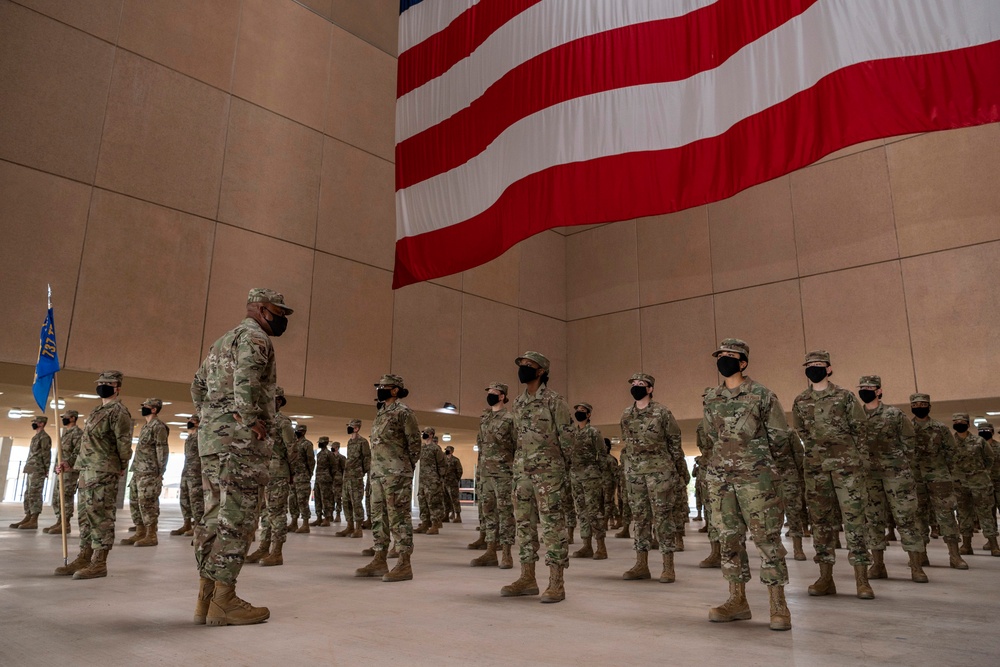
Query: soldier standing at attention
x: 971, y: 465
x: 105, y: 450
x: 298, y: 502
x: 655, y: 463
x: 541, y: 422
x: 890, y: 442
x: 233, y: 392
x: 432, y: 466
x: 192, y: 495
x: 452, y: 485
x: 986, y: 433
x: 395, y: 452
x: 587, y: 453
x: 324, y: 483
x: 71, y: 439
x: 831, y: 421
x: 150, y: 463
x: 339, y: 465
x: 35, y: 467
x: 497, y: 442
x: 357, y: 465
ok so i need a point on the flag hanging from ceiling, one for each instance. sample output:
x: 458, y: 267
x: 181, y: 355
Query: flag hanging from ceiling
x: 516, y: 116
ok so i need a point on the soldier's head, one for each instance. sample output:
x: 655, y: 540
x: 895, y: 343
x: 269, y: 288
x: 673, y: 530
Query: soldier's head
x: 335, y: 445
x: 390, y: 387
x: 641, y: 385
x: 496, y: 393
x: 194, y: 421
x: 268, y: 309
x: 323, y: 442
x: 960, y: 422
x: 69, y: 417
x: 427, y: 435
x: 533, y: 366
x: 448, y: 450
x: 300, y: 430
x: 582, y: 412
x: 38, y: 422
x: 732, y: 357
x: 353, y: 426
x: 109, y: 384
x: 607, y: 444
x: 986, y: 431
x: 920, y: 405
x: 817, y: 366
x: 150, y: 407
x: 870, y: 388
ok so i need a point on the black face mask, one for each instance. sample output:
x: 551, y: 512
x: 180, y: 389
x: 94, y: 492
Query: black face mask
x: 425, y: 436
x: 728, y: 366
x: 190, y: 424
x: 580, y: 415
x: 961, y: 428
x: 278, y: 324
x: 492, y: 399
x: 986, y: 435
x: 34, y: 426
x: 816, y: 373
x: 384, y: 394
x: 65, y: 422
x: 920, y: 413
x: 145, y: 411
x: 867, y: 395
x: 639, y: 393
x: 526, y: 374
x: 300, y: 434
x: 105, y: 390
x: 350, y: 430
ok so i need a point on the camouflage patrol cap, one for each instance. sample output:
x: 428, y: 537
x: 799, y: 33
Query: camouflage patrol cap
x: 41, y: 419
x: 354, y: 422
x: 449, y: 449
x: 335, y: 444
x: 645, y: 377
x: 499, y: 386
x: 264, y: 295
x: 733, y: 345
x: 537, y: 357
x: 586, y: 406
x: 299, y: 427
x: 961, y: 417
x: 870, y: 381
x: 817, y: 355
x: 986, y: 426
x: 390, y: 379
x: 920, y: 398
x: 323, y: 440
x: 109, y: 377
x: 194, y: 418
x: 153, y: 403
x: 69, y: 414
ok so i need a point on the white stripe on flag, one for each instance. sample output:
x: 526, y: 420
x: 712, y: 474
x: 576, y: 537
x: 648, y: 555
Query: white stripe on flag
x: 427, y: 18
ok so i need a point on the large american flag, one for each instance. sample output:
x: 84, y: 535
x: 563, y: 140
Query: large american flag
x: 516, y: 116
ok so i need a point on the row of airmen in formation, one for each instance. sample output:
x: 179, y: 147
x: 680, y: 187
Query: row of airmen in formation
x: 848, y: 461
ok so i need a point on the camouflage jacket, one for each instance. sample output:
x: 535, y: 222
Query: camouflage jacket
x: 497, y: 442
x: 395, y: 441
x: 152, y: 450
x: 107, y: 440
x: 304, y: 450
x: 359, y: 457
x: 973, y: 461
x: 453, y: 471
x: 432, y: 461
x: 610, y: 469
x: 747, y: 432
x: 324, y: 465
x: 586, y: 452
x: 831, y: 423
x: 339, y: 465
x: 623, y: 467
x: 283, y: 463
x: 192, y: 459
x: 890, y: 440
x: 237, y: 378
x: 541, y: 422
x: 39, y: 453
x: 935, y: 447
x: 70, y: 442
x: 653, y: 439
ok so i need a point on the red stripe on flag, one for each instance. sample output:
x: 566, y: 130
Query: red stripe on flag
x: 858, y: 103
x: 438, y: 53
x: 645, y: 53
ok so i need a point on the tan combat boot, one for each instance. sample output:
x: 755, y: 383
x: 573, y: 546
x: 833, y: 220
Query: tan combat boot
x: 30, y: 524
x: 667, y: 576
x: 601, y: 553
x: 781, y: 617
x: 294, y: 525
x: 140, y: 532
x: 506, y: 559
x: 964, y: 550
x: 317, y: 522
x: 865, y: 591
x: 336, y: 519
x: 586, y: 551
x: 149, y: 540
x: 275, y: 557
x: 457, y: 519
x: 304, y: 528
x: 393, y: 553
x: 376, y: 568
x: 227, y: 609
x: 347, y: 531
x: 556, y: 591
x: 488, y: 558
x: 24, y: 520
x: 877, y: 570
x: 98, y: 566
x: 641, y: 568
x: 183, y: 529
x: 367, y: 524
x: 679, y: 541
x: 435, y: 528
x: 714, y: 559
x: 954, y: 558
x: 624, y: 532
x: 357, y: 531
x: 525, y: 584
x: 206, y: 589
x: 825, y: 584
x: 325, y: 522
x: 422, y: 527
x: 58, y: 524
x: 703, y: 529
x: 735, y: 608
x: 797, y: 552
x: 991, y: 545
x: 916, y: 569
x: 262, y: 550
x: 480, y: 543
x: 370, y: 551
x: 403, y: 570
x: 82, y: 561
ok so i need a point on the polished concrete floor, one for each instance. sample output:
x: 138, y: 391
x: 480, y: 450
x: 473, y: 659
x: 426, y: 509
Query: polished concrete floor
x: 452, y: 614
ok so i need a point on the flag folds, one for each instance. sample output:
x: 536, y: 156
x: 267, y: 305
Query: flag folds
x: 516, y: 116
x: 48, y: 361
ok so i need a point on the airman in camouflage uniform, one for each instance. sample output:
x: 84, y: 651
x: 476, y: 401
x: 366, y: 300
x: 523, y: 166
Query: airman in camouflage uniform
x: 972, y: 462
x: 192, y: 495
x: 359, y: 460
x: 587, y: 460
x: 395, y: 452
x: 233, y: 392
x: 496, y: 442
x: 298, y: 501
x: 793, y: 496
x: 831, y: 422
x: 105, y: 450
x: 890, y: 442
x: 151, y: 454
x: 339, y: 466
x: 430, y: 492
x: 612, y: 517
x: 655, y: 468
x: 699, y: 489
x: 986, y: 433
x: 935, y: 447
x: 452, y: 482
x: 324, y: 483
x: 745, y: 424
x: 541, y: 470
x: 70, y: 442
x: 36, y: 467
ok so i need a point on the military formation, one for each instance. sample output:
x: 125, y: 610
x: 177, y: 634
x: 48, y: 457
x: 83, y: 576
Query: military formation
x: 846, y: 464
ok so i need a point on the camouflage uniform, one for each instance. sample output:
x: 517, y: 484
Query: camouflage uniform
x: 324, y: 481
x: 935, y: 447
x: 793, y: 489
x: 339, y: 466
x: 150, y: 463
x: 452, y: 482
x: 497, y: 442
x: 624, y: 506
x: 430, y: 493
x: 281, y: 468
x: 973, y: 459
x: 610, y: 510
x: 395, y: 451
x: 711, y: 477
x: 298, y: 502
x: 70, y: 442
x: 36, y: 467
x: 359, y: 461
x: 699, y: 486
x: 192, y: 495
x: 586, y: 456
x: 995, y: 471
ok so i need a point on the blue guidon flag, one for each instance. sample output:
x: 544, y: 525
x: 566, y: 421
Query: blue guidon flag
x: 516, y: 116
x: 48, y: 359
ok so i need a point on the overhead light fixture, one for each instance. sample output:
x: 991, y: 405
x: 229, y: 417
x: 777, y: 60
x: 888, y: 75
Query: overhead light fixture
x: 450, y: 407
x: 177, y: 424
x: 475, y: 448
x: 60, y: 406
x: 15, y: 413
x: 302, y: 416
x: 135, y: 441
x: 86, y: 396
x: 446, y: 437
x: 184, y: 435
x: 182, y: 414
x: 167, y: 403
x: 979, y: 420
x: 993, y: 414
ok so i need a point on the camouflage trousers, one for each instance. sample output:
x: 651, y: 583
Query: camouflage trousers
x: 33, y: 493
x: 479, y: 502
x: 496, y: 502
x: 893, y: 494
x: 996, y: 490
x: 391, y: 496
x: 70, y: 482
x: 653, y: 498
x: 133, y: 501
x: 429, y: 500
x: 711, y: 484
x: 98, y: 505
x: 368, y: 498
x: 354, y: 499
x: 232, y: 484
x: 324, y: 497
x: 298, y: 499
x: 541, y: 498
x: 755, y: 506
x: 192, y: 498
x: 936, y: 507
x: 338, y: 494
x: 453, y: 498
x: 682, y: 506
x: 793, y: 502
x: 610, y: 510
x: 149, y: 488
x: 700, y: 496
x: 975, y: 501
x: 274, y: 520
x: 826, y: 491
x: 588, y: 494
x: 624, y: 506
